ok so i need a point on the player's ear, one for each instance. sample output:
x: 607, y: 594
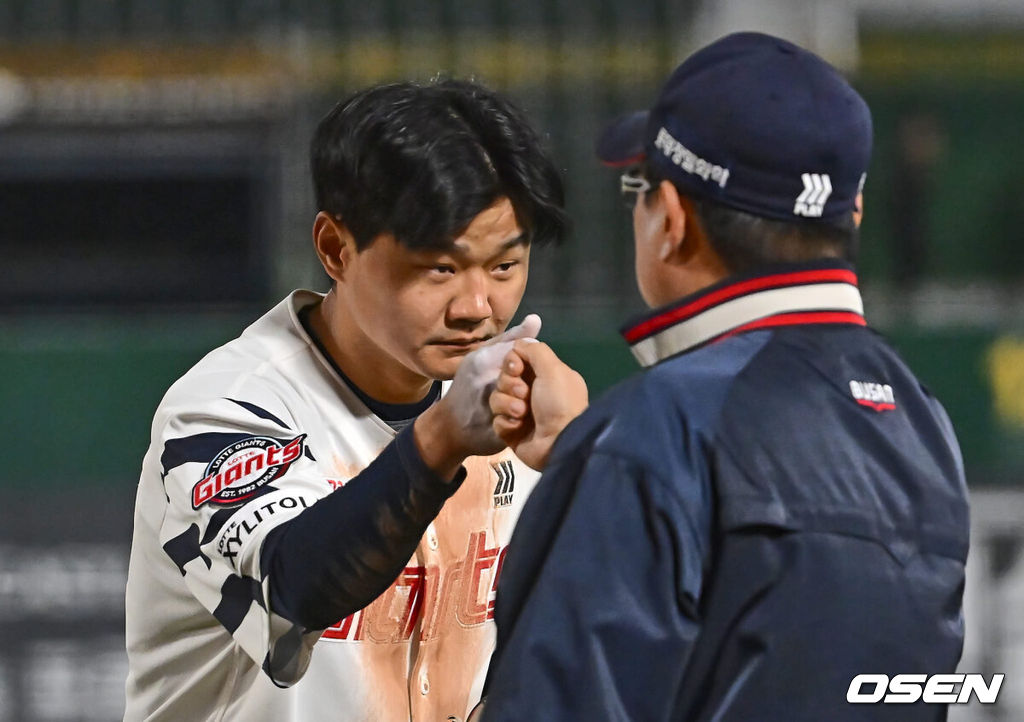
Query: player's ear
x: 677, y: 244
x: 334, y: 244
x: 858, y: 210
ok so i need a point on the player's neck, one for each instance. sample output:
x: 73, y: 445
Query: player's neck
x: 373, y: 370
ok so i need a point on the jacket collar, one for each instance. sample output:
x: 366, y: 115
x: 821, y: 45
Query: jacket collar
x: 818, y: 292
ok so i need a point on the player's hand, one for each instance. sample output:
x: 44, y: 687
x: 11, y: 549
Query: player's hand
x: 459, y: 425
x: 471, y: 388
x: 536, y: 396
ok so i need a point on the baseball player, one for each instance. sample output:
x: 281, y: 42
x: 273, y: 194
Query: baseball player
x: 776, y: 504
x: 323, y: 512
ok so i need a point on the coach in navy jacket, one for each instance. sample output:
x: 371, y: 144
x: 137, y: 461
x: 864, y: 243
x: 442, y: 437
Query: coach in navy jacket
x: 776, y: 504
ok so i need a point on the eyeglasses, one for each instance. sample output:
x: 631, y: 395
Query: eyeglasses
x: 632, y: 185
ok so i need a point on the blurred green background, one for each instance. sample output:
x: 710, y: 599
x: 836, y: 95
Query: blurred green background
x: 154, y: 195
x: 155, y: 199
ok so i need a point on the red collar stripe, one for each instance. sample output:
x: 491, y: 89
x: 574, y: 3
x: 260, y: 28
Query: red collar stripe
x: 672, y: 316
x: 797, y: 319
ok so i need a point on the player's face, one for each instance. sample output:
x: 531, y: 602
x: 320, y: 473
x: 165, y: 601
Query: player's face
x: 426, y: 310
x: 648, y: 234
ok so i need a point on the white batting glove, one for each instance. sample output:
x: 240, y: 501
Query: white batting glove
x: 469, y: 394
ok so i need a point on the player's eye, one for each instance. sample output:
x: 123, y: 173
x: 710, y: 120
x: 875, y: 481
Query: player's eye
x: 442, y: 270
x: 505, y: 268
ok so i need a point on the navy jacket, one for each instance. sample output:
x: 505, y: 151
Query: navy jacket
x: 773, y: 507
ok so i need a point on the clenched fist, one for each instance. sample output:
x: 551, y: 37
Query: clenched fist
x: 536, y: 396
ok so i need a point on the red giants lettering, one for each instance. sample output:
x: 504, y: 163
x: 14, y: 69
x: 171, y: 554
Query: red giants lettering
x: 430, y: 597
x: 494, y: 584
x: 391, y: 617
x: 478, y: 565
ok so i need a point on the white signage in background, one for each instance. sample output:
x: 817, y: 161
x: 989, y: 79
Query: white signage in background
x: 7, y: 691
x: 62, y: 621
x: 54, y: 581
x: 75, y: 679
x: 156, y: 100
x: 14, y: 96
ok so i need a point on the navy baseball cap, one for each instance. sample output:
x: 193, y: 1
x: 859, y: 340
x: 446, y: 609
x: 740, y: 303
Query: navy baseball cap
x: 755, y: 123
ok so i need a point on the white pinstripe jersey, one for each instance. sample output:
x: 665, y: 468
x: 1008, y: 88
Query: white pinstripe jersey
x: 258, y: 430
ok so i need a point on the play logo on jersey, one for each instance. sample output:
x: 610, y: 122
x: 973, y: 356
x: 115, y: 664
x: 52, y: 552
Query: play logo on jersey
x: 506, y: 483
x: 240, y: 469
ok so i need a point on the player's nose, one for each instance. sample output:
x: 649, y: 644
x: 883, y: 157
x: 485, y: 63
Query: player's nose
x: 472, y: 303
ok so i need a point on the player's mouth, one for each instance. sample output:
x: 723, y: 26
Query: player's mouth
x: 458, y: 345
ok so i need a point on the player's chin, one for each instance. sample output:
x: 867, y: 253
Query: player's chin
x: 441, y: 362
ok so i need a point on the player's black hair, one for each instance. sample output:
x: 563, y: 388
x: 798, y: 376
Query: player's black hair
x: 422, y: 161
x: 746, y: 242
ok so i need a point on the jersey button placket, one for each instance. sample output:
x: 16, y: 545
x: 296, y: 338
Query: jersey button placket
x: 432, y: 542
x: 424, y: 683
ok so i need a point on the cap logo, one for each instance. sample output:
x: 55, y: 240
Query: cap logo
x: 688, y: 160
x: 817, y: 189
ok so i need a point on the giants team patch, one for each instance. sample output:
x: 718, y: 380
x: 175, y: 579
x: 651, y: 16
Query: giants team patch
x: 239, y: 470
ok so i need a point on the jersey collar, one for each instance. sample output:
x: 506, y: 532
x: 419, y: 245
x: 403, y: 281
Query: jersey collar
x: 818, y: 292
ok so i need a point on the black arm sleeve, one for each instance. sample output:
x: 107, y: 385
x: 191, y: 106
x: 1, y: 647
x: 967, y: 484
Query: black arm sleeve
x: 342, y: 553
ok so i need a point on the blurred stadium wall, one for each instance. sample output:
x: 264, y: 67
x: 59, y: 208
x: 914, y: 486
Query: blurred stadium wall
x: 154, y: 200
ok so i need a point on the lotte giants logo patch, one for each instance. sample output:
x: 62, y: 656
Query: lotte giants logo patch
x: 240, y: 469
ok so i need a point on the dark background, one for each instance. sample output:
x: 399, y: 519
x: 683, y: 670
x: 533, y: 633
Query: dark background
x: 154, y: 200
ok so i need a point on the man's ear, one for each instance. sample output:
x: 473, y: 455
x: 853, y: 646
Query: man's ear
x: 678, y: 229
x: 334, y: 244
x: 858, y: 210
